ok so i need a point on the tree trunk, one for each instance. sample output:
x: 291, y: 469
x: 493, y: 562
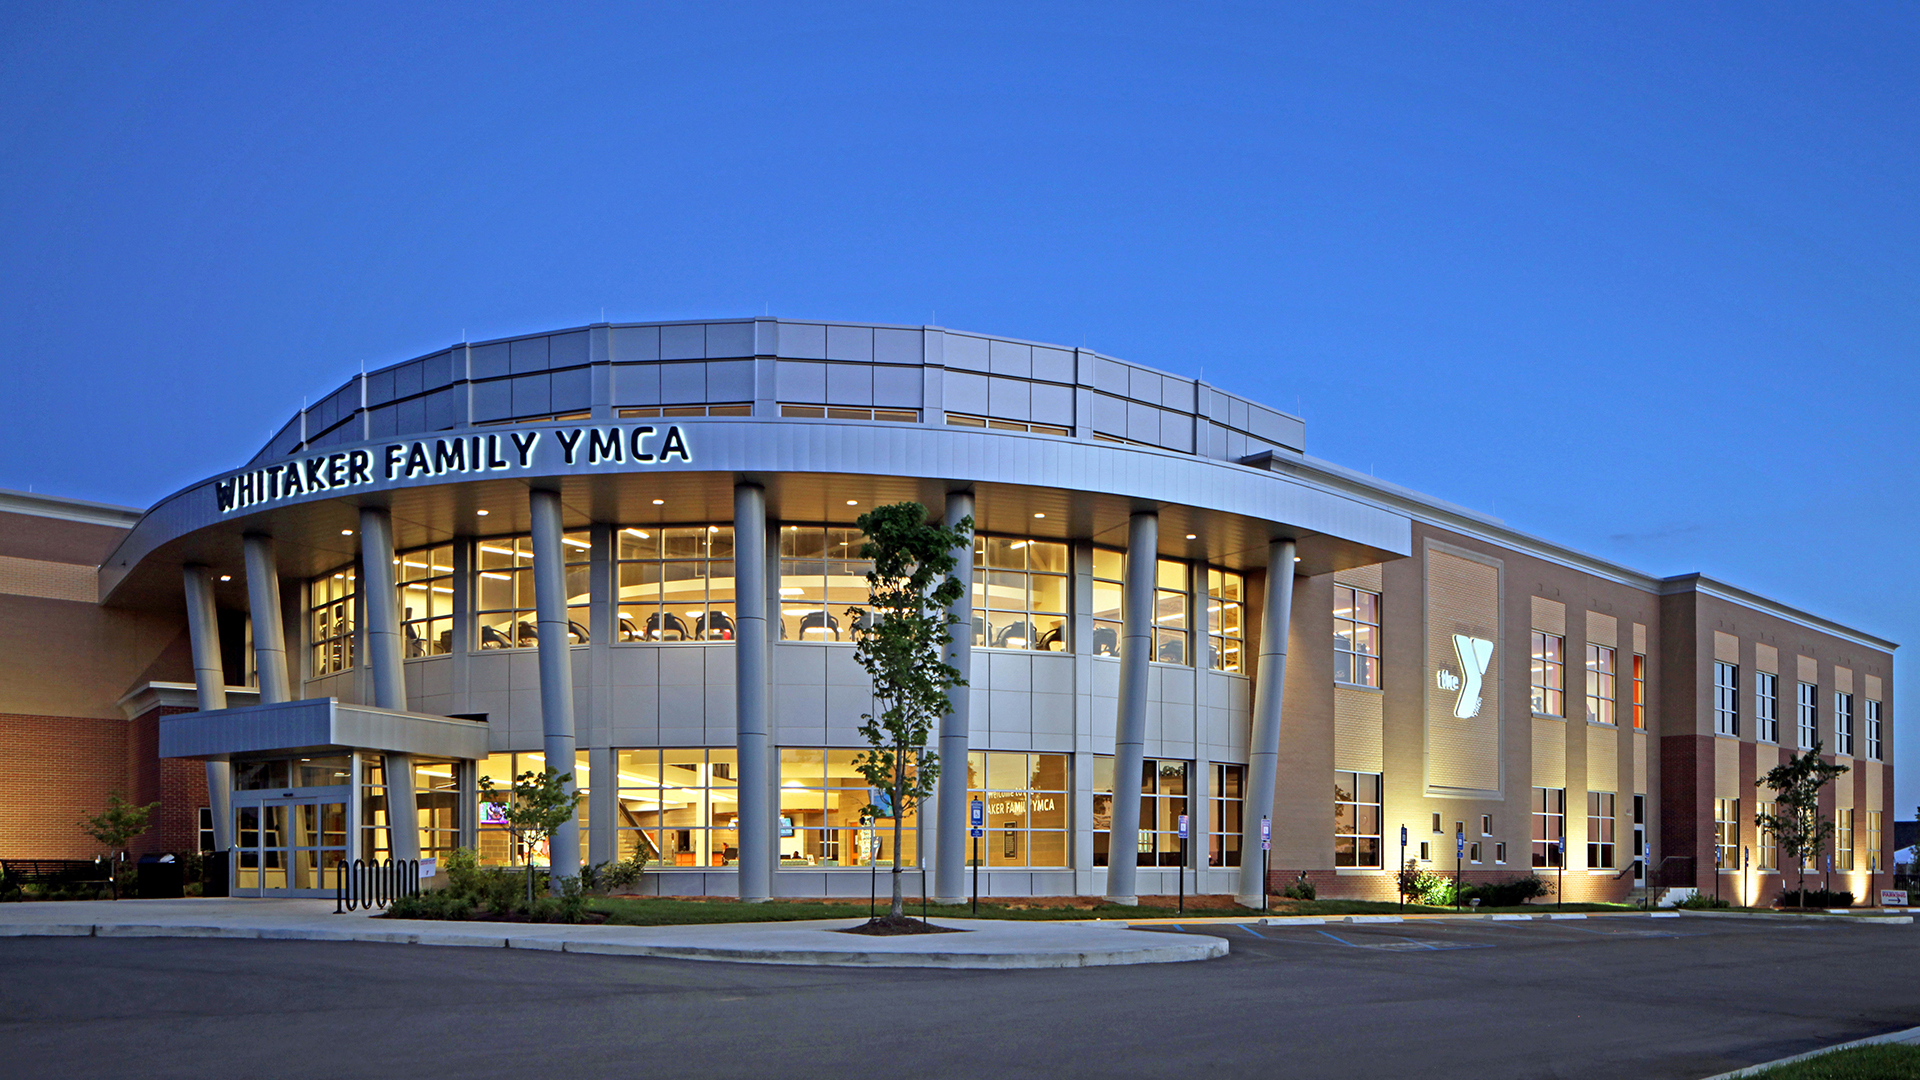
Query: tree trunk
x: 898, y: 910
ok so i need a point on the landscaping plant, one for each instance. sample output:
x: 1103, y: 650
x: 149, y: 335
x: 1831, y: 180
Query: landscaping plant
x: 1796, y: 824
x: 115, y: 828
x: 533, y: 809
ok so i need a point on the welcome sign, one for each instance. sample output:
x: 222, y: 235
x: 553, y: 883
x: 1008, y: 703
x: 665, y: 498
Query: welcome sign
x: 466, y: 455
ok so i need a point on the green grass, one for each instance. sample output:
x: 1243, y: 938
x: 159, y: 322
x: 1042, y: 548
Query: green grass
x: 658, y: 911
x: 1881, y: 1061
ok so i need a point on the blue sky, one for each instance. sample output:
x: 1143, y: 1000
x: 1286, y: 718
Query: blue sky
x: 1636, y: 278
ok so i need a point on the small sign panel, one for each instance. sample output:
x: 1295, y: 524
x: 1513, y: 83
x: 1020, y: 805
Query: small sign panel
x: 1266, y: 835
x: 977, y: 814
x: 493, y: 813
x: 1893, y: 898
x: 1459, y: 844
x: 1183, y: 826
x: 1403, y: 836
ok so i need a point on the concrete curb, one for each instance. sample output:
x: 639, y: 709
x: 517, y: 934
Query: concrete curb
x: 1794, y: 916
x: 1910, y: 1035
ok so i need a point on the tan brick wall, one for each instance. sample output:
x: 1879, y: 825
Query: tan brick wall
x: 61, y: 768
x: 1605, y: 630
x: 48, y: 580
x: 1358, y: 729
x: 1463, y: 597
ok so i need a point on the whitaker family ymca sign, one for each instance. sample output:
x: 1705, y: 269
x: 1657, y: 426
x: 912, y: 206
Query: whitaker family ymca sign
x: 454, y: 454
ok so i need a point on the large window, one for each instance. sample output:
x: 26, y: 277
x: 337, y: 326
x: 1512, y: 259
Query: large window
x: 1600, y: 824
x: 496, y: 843
x: 1026, y: 807
x: 1020, y: 591
x: 1873, y: 730
x: 1873, y: 841
x: 838, y: 412
x: 821, y: 576
x: 436, y: 787
x: 1163, y: 798
x: 1726, y: 699
x: 1843, y: 839
x: 1356, y: 636
x: 330, y: 621
x: 425, y: 580
x: 503, y: 590
x: 1809, y: 705
x: 1356, y: 819
x: 1549, y: 674
x: 823, y: 818
x: 1549, y: 825
x: 1600, y: 686
x: 1639, y: 692
x: 1726, y: 832
x: 676, y: 583
x: 1766, y: 707
x: 963, y: 420
x: 1225, y: 823
x: 1170, y: 623
x: 1226, y: 620
x: 681, y: 807
x: 1764, y: 845
x: 1843, y: 723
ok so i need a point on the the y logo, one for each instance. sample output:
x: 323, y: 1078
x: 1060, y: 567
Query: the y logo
x: 1475, y: 654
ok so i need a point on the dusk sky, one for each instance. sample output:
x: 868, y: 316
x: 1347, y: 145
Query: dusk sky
x: 1637, y: 278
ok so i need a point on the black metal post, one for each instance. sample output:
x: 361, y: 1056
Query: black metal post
x: 1266, y: 871
x: 1183, y: 876
x: 923, y: 891
x: 976, y: 875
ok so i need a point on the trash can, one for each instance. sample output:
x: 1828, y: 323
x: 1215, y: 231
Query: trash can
x: 159, y: 878
x: 213, y: 874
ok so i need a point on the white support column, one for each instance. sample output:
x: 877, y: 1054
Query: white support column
x: 203, y: 628
x: 602, y: 628
x: 950, y: 842
x: 269, y: 633
x: 380, y: 600
x: 556, y: 664
x: 751, y: 650
x: 1130, y: 725
x: 1269, y: 690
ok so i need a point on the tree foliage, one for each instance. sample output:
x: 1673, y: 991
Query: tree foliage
x: 1796, y: 823
x: 533, y: 810
x: 115, y: 827
x: 901, y: 639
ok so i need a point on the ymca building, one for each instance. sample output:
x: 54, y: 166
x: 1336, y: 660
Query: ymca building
x: 629, y: 551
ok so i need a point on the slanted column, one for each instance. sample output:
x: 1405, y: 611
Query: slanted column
x: 1130, y: 725
x: 269, y: 632
x: 203, y: 628
x: 380, y: 605
x: 1263, y: 749
x: 750, y: 654
x: 556, y: 664
x: 951, y: 843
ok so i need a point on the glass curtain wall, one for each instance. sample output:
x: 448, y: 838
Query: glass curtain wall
x: 330, y: 621
x: 503, y: 590
x: 823, y: 818
x: 1163, y: 798
x: 821, y: 576
x: 425, y: 580
x: 1025, y: 797
x: 676, y: 583
x: 497, y: 846
x: 1020, y: 594
x: 680, y: 807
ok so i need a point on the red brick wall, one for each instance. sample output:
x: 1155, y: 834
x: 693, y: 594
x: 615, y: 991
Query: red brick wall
x: 63, y: 768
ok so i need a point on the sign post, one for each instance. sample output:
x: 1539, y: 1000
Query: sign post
x: 1459, y: 855
x: 1401, y: 869
x: 1266, y: 865
x: 977, y: 827
x: 1560, y: 901
x: 1183, y: 864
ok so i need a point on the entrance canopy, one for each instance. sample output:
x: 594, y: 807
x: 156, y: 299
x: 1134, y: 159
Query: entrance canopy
x: 319, y: 724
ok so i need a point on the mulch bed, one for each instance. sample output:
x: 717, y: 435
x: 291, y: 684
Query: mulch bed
x: 888, y: 926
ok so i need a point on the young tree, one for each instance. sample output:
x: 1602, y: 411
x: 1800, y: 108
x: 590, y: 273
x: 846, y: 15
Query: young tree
x: 901, y: 643
x: 533, y: 809
x: 1796, y: 824
x: 115, y: 827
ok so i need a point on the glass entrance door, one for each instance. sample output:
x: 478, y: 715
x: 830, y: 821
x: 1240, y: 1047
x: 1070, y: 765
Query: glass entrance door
x: 289, y: 846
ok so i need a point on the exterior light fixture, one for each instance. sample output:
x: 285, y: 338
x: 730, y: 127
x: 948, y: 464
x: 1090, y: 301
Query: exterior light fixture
x: 659, y: 502
x: 226, y: 577
x: 1192, y: 536
x: 346, y: 532
x: 481, y: 513
x: 1039, y: 515
x: 853, y: 502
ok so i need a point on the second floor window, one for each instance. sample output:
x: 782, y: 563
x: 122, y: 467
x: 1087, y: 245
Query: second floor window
x: 426, y: 600
x: 1549, y: 674
x: 1726, y: 699
x: 1809, y: 708
x: 1872, y: 717
x: 675, y: 583
x: 1766, y: 707
x: 1226, y: 620
x: 1600, y: 684
x: 1356, y: 636
x: 1170, y: 624
x: 1019, y: 593
x: 1843, y: 724
x: 330, y: 621
x: 821, y: 576
x: 1639, y: 692
x: 504, y: 608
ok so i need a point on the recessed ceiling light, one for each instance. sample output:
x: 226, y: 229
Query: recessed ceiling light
x: 226, y: 577
x: 853, y: 502
x: 482, y: 513
x: 1039, y: 515
x: 1296, y: 558
x: 1192, y: 536
x: 659, y: 502
x: 346, y: 532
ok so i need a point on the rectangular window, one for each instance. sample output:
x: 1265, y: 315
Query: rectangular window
x: 963, y: 420
x: 1764, y: 848
x: 496, y: 845
x: 206, y: 829
x: 1225, y: 823
x: 675, y: 583
x: 1020, y: 590
x: 821, y: 576
x: 330, y: 621
x: 1639, y: 692
x: 1726, y: 833
x: 1726, y: 699
x: 1500, y: 853
x: 1356, y: 819
x: 1425, y: 852
x: 1486, y: 824
x: 1163, y: 798
x: 503, y: 590
x: 425, y: 581
x: 1356, y: 636
x: 1226, y: 620
x: 1843, y: 839
x: 1170, y: 625
x: 838, y: 412
x: 1026, y: 803
x: 1473, y: 852
x: 1843, y: 723
x: 824, y: 819
x: 1549, y: 825
x: 679, y: 806
x: 1600, y: 830
x: 436, y: 796
x: 1766, y: 707
x: 1600, y: 685
x: 744, y: 408
x: 1873, y: 840
x: 1809, y: 702
x: 1873, y: 731
x: 1549, y: 674
x: 1436, y: 823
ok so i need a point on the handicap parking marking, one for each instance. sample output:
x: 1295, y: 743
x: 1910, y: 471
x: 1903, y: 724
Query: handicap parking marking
x: 1406, y: 944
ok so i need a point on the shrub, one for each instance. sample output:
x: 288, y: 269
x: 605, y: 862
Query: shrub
x: 1703, y: 902
x: 1817, y: 898
x: 1425, y: 886
x: 1509, y: 893
x: 623, y: 874
x: 1302, y: 889
x: 444, y: 904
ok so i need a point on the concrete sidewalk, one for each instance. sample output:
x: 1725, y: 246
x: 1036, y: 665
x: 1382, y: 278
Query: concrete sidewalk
x: 989, y: 943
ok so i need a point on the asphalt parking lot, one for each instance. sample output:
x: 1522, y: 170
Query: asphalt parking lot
x: 1681, y: 998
